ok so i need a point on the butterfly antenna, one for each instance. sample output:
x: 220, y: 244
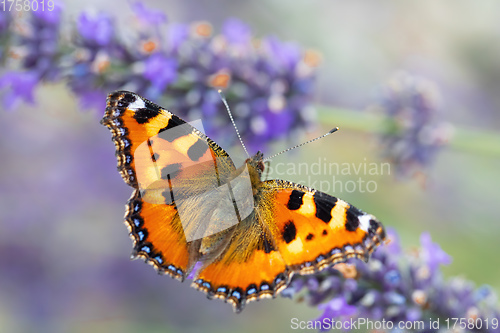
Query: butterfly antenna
x: 232, y: 120
x: 333, y: 130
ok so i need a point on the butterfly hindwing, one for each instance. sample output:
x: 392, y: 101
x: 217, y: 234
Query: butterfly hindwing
x: 313, y: 230
x: 158, y: 236
x: 250, y: 268
x: 294, y: 229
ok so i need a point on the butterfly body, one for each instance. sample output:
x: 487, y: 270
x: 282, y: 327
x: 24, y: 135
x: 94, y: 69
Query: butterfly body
x: 192, y: 208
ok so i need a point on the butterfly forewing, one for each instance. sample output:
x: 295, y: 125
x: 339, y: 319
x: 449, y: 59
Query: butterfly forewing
x: 168, y: 162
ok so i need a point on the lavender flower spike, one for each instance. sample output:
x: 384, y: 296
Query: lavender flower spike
x: 414, y: 132
x: 395, y: 287
x: 268, y: 87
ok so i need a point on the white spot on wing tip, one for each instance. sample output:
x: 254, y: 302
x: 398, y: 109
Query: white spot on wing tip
x: 364, y: 222
x: 137, y: 104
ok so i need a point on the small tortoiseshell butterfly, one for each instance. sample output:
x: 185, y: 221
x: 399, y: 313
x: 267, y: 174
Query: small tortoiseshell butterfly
x: 191, y: 205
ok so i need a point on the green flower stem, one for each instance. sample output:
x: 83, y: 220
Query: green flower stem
x: 466, y: 139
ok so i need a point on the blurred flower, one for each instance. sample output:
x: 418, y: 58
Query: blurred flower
x: 414, y: 132
x: 396, y: 287
x: 176, y: 35
x: 336, y: 308
x: 48, y: 17
x: 236, y: 32
x: 268, y: 83
x: 160, y: 71
x: 148, y: 16
x: 89, y: 61
x: 432, y: 254
x: 21, y: 86
x: 95, y: 30
x: 40, y: 44
x: 284, y: 55
x: 38, y: 51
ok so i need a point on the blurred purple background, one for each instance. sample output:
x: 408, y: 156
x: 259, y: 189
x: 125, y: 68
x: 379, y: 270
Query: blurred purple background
x: 64, y: 251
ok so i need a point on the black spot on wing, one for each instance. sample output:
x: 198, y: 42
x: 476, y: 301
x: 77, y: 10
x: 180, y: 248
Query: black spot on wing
x: 171, y: 124
x: 373, y: 226
x: 352, y: 218
x: 171, y: 131
x: 325, y: 232
x: 114, y: 96
x: 171, y: 169
x: 295, y: 200
x: 144, y: 115
x: 124, y: 100
x: 324, y: 205
x: 310, y: 237
x: 197, y: 150
x: 289, y: 232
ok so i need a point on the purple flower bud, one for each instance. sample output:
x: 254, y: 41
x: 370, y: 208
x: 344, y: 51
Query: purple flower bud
x: 148, y: 16
x: 21, y: 84
x: 432, y: 253
x: 392, y: 279
x: 285, y: 55
x: 95, y: 29
x: 394, y: 246
x: 177, y: 34
x: 335, y: 308
x: 160, y: 70
x: 49, y: 17
x: 236, y: 32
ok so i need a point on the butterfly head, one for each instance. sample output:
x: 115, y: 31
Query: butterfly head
x: 255, y: 166
x: 257, y: 162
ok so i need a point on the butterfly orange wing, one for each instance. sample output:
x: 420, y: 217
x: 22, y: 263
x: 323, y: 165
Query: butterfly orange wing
x: 294, y: 229
x: 313, y: 230
x: 249, y: 269
x: 154, y: 149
